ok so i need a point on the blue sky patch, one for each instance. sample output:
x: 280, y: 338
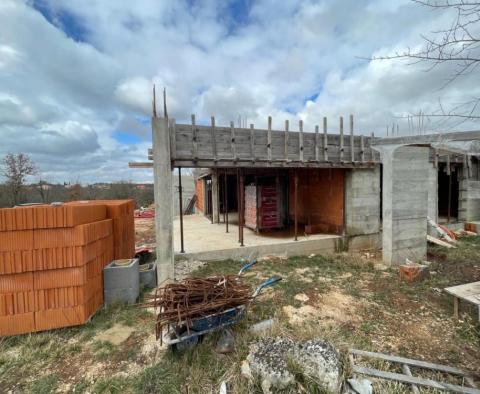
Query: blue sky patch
x: 126, y: 138
x: 71, y: 25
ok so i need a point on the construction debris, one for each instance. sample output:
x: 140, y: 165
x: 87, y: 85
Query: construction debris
x: 439, y: 242
x: 407, y: 376
x: 413, y: 272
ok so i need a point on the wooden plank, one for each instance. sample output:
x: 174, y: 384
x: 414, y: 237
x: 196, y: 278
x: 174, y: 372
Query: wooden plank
x: 173, y: 143
x: 464, y: 291
x: 286, y: 139
x: 194, y: 139
x: 439, y: 242
x: 232, y: 140
x: 341, y: 139
x: 214, y: 143
x: 252, y: 142
x: 325, y: 140
x: 352, y: 141
x: 362, y: 149
x: 406, y: 371
x: 300, y: 140
x: 137, y: 164
x: 409, y: 361
x: 317, y: 156
x: 414, y: 380
x: 269, y: 139
x: 188, y: 162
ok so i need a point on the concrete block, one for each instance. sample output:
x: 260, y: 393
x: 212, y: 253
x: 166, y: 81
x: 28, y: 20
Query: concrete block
x: 127, y: 296
x: 121, y: 281
x: 148, y: 275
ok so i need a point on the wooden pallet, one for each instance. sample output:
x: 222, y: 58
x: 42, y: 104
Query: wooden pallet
x: 407, y: 376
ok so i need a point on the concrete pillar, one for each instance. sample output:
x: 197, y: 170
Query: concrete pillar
x: 433, y: 192
x: 215, y: 197
x: 469, y: 200
x: 163, y: 192
x: 362, y: 201
x: 405, y: 203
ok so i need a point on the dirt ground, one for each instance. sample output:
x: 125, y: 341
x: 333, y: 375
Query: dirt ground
x: 144, y: 231
x: 350, y: 300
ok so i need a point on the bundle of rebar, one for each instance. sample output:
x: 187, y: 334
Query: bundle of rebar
x: 180, y: 303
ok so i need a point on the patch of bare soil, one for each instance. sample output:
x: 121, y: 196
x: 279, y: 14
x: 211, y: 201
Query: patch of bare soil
x: 145, y: 231
x: 335, y: 306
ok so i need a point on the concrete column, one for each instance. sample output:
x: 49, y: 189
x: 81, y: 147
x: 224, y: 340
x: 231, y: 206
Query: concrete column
x: 433, y: 192
x: 163, y: 192
x: 469, y: 200
x: 405, y: 203
x: 215, y: 197
x: 362, y: 201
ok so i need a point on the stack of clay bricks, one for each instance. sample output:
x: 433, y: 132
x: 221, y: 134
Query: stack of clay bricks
x: 251, y: 206
x: 52, y: 259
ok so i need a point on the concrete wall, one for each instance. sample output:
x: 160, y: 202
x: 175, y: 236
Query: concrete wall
x: 469, y: 200
x: 362, y: 201
x: 406, y: 172
x: 188, y: 186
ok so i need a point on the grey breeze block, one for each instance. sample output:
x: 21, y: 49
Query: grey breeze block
x: 148, y: 275
x: 121, y: 282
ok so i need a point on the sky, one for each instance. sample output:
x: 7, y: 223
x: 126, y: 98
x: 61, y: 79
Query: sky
x: 76, y: 76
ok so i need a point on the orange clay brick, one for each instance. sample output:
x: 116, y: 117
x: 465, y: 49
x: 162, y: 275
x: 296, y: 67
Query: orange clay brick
x: 17, y: 324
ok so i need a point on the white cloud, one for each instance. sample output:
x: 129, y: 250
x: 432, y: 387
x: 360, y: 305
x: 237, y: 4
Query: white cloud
x: 65, y: 89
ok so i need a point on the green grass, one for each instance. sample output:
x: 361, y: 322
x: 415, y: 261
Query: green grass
x: 44, y: 385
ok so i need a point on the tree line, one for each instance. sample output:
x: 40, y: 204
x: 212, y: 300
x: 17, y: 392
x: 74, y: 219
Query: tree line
x: 17, y: 168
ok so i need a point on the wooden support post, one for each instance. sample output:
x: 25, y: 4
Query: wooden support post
x: 180, y: 206
x: 238, y: 203
x: 226, y: 200
x: 286, y: 140
x: 435, y: 162
x: 233, y: 146
x: 295, y: 205
x: 352, y: 140
x: 252, y: 142
x: 194, y: 139
x: 449, y: 170
x: 406, y: 371
x: 317, y: 154
x: 465, y: 167
x: 269, y: 139
x: 456, y: 302
x: 300, y: 139
x: 449, y: 203
x: 214, y: 142
x: 362, y: 149
x: 341, y: 139
x: 242, y: 209
x: 173, y: 143
x: 469, y: 167
x: 325, y: 140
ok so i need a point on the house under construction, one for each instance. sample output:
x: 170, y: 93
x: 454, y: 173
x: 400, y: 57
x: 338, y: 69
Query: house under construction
x: 265, y: 191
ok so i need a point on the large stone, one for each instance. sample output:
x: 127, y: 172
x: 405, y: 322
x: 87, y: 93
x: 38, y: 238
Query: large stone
x: 271, y: 359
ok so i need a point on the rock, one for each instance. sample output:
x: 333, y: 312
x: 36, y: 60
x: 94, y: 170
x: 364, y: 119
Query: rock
x: 226, y: 342
x: 270, y: 359
x: 360, y: 386
x: 301, y: 297
x: 262, y: 326
x: 116, y: 335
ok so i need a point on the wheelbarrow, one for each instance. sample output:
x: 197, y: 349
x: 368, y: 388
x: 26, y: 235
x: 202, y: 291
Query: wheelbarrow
x: 186, y: 335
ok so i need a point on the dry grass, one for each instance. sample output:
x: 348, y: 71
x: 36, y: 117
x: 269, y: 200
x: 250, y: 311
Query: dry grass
x: 358, y: 306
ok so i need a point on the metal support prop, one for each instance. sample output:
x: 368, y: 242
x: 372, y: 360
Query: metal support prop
x: 296, y: 204
x: 226, y: 201
x: 238, y: 203
x: 449, y: 196
x: 241, y: 211
x: 180, y: 206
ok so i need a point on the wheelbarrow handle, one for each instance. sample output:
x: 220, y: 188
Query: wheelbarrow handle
x: 268, y: 282
x: 247, y: 266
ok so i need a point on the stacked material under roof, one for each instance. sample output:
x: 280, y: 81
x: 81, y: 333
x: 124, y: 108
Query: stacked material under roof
x: 52, y: 259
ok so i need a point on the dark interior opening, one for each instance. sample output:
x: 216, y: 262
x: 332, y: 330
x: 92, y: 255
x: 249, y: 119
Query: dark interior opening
x: 448, y: 190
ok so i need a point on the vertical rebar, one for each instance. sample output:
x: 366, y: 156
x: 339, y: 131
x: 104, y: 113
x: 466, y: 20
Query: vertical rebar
x: 226, y: 201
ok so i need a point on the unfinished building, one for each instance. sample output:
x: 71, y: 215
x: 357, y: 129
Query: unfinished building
x: 298, y: 192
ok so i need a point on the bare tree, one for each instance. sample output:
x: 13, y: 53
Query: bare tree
x: 44, y: 190
x: 16, y: 168
x: 457, y: 45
